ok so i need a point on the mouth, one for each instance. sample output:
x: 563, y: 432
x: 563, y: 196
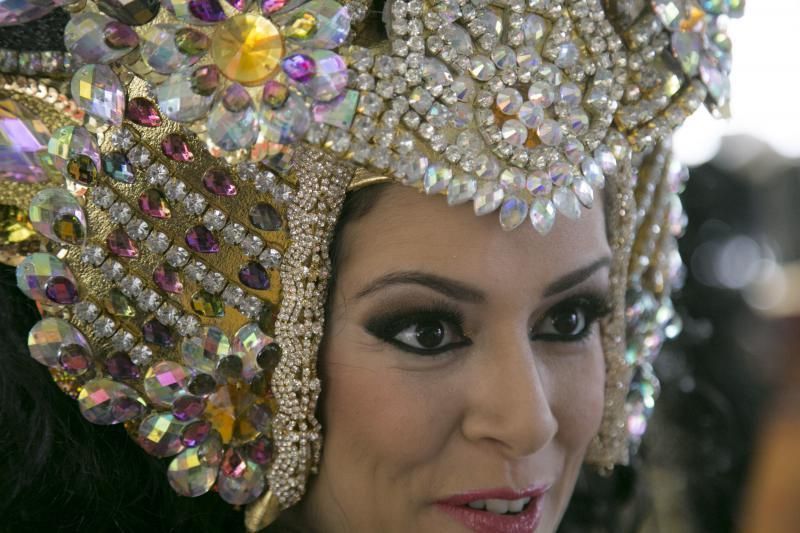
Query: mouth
x: 505, y: 512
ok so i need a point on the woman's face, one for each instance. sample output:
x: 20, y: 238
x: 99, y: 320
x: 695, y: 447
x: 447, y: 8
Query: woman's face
x: 462, y: 370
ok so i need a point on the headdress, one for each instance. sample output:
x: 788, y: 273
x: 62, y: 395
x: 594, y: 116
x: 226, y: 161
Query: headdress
x: 180, y: 208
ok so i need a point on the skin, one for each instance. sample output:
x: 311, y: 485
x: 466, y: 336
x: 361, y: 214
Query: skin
x: 511, y: 409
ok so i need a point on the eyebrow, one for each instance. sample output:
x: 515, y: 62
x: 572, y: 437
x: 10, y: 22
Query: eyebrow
x: 463, y: 292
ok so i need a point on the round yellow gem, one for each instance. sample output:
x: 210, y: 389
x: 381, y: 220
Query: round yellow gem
x: 247, y: 48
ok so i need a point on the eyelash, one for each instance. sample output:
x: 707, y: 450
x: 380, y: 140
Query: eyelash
x: 386, y: 328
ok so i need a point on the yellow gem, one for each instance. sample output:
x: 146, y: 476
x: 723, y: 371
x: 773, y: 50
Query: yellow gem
x: 303, y: 27
x: 247, y: 48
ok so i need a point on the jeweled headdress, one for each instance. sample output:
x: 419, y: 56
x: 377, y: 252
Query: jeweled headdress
x: 179, y: 209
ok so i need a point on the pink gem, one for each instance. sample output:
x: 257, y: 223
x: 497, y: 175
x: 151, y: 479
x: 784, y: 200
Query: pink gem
x: 175, y: 147
x: 200, y: 239
x: 219, y: 182
x: 299, y: 67
x: 120, y: 244
x: 233, y: 464
x: 261, y: 451
x: 120, y: 36
x: 188, y: 407
x: 168, y: 279
x: 196, y: 432
x: 271, y: 6
x: 153, y: 203
x: 74, y: 359
x: 143, y: 112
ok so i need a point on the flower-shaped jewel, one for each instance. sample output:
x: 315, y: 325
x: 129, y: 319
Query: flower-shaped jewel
x: 248, y: 78
x: 700, y: 43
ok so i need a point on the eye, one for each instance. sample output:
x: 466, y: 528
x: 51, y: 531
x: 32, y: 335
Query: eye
x: 425, y: 333
x: 572, y: 320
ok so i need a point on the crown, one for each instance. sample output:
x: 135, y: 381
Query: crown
x: 180, y: 208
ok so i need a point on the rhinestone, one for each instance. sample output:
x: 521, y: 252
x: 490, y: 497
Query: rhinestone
x: 178, y: 99
x: 131, y: 285
x: 157, y: 242
x: 206, y: 304
x: 103, y: 401
x: 508, y: 101
x: 201, y: 240
x: 242, y: 485
x: 549, y: 132
x: 319, y: 24
x: 202, y: 351
x: 120, y: 367
x: 177, y: 256
x: 669, y: 12
x: 487, y: 199
x: 196, y: 270
x: 219, y: 182
x: 577, y: 121
x: 251, y: 307
x: 583, y: 191
x: 232, y: 295
x: 35, y: 272
x: 543, y: 215
x: 687, y: 47
x: 122, y: 138
x: 605, y: 158
x: 165, y: 382
x: 157, y: 174
x: 139, y: 156
x: 514, y: 132
x: 104, y: 327
x: 461, y: 189
x: 263, y: 216
x: 214, y: 219
x: 512, y: 178
x: 159, y: 49
x: 86, y: 311
x: 592, y: 172
x: 530, y: 115
x: 48, y: 335
x: 539, y: 183
x: 141, y: 354
x: 534, y: 28
x: 566, y: 202
x: 160, y: 435
x: 528, y: 59
x: 119, y: 305
x: 82, y: 170
x: 69, y: 142
x: 112, y: 270
x: 98, y: 91
x: 195, y: 203
x: 252, y: 245
x: 176, y: 148
x: 168, y: 314
x: 84, y: 37
x: 138, y: 229
x: 541, y: 93
x: 214, y: 282
x: 122, y: 340
x: 187, y: 325
x: 93, y: 255
x: 437, y: 177
x: 513, y: 212
x: 567, y: 55
x: 61, y: 290
x: 481, y: 68
x: 117, y: 167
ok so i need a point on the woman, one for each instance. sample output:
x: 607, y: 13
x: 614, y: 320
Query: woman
x: 466, y: 368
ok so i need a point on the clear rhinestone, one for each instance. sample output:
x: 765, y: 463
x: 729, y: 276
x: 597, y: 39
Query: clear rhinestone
x: 168, y: 314
x: 461, y: 189
x: 214, y: 219
x: 543, y: 215
x: 157, y: 174
x: 104, y: 327
x: 196, y: 270
x: 514, y: 132
x: 86, y: 311
x: 139, y: 156
x: 112, y: 270
x: 148, y: 300
x: 131, y: 286
x: 252, y: 245
x: 481, y: 68
x: 195, y: 203
x: 157, y: 242
x: 122, y: 340
x: 120, y: 212
x: 487, y: 198
x: 539, y: 183
x: 513, y: 212
x: 512, y: 178
x: 549, y: 132
x: 566, y: 202
x: 233, y: 233
x: 541, y: 93
x: 214, y: 282
x: 103, y: 197
x: 251, y: 307
x: 270, y: 258
x: 584, y: 192
x: 122, y: 139
x: 187, y: 325
x: 177, y: 256
x: 138, y: 229
x: 508, y: 101
x: 141, y: 355
x: 93, y: 255
x: 175, y: 190
x: 232, y: 295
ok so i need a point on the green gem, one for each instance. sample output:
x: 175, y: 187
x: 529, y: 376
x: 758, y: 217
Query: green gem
x: 119, y: 305
x: 191, y: 42
x: 206, y: 304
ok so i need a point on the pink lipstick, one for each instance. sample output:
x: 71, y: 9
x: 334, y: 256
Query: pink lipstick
x: 482, y: 511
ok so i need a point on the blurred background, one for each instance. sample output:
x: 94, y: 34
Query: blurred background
x: 721, y: 453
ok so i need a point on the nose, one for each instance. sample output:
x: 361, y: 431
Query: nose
x: 509, y: 402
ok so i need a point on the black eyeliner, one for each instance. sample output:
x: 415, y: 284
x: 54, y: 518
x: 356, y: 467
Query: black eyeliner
x: 594, y: 304
x: 385, y: 327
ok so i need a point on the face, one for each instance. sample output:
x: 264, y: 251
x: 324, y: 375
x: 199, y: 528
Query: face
x: 462, y: 370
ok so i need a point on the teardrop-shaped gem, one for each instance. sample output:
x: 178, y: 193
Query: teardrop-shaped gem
x: 202, y: 240
x: 69, y: 142
x: 48, y: 336
x: 131, y: 12
x: 437, y: 178
x: 249, y: 342
x: 265, y: 217
x: 119, y: 36
x: 254, y: 276
x: 120, y: 366
x: 165, y: 381
x: 36, y: 270
x: 168, y: 279
x: 329, y: 78
x: 143, y: 112
x: 187, y: 473
x: 513, y: 212
x: 687, y: 46
x: 52, y: 207
x: 566, y: 202
x: 176, y: 148
x: 232, y: 123
x: 24, y: 144
x: 543, y: 215
x: 487, y: 199
x: 153, y: 203
x: 117, y: 166
x: 160, y: 435
x: 119, y: 305
x: 206, y: 304
x: 219, y: 181
x: 196, y: 432
x: 191, y: 42
x: 179, y: 100
x: 61, y: 290
x: 160, y: 51
x: 103, y: 401
x: 209, y: 11
x: 461, y: 189
x: 157, y: 333
x: 120, y: 244
x: 98, y: 91
x: 202, y: 351
x: 584, y: 192
x: 84, y: 37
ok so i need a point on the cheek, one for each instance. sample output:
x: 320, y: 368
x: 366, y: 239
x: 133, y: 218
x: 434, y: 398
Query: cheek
x: 380, y: 422
x: 579, y: 394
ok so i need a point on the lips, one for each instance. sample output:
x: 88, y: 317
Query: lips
x: 495, y: 511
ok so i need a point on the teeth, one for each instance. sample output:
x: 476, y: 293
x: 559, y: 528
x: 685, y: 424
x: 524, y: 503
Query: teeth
x: 500, y: 506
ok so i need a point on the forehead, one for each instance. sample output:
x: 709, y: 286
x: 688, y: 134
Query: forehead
x: 407, y: 230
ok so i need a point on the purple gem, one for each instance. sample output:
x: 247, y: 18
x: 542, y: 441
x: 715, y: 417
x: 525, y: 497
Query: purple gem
x: 254, y: 276
x: 207, y: 10
x: 120, y: 244
x: 175, y: 147
x: 157, y: 333
x: 200, y: 239
x: 188, y: 407
x: 120, y: 36
x: 74, y: 359
x: 299, y: 67
x: 143, y: 112
x: 261, y: 451
x: 195, y: 433
x: 264, y: 216
x: 126, y: 408
x: 271, y: 6
x: 238, y: 4
x: 219, y: 182
x: 120, y: 366
x: 168, y: 279
x: 61, y: 290
x: 153, y: 203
